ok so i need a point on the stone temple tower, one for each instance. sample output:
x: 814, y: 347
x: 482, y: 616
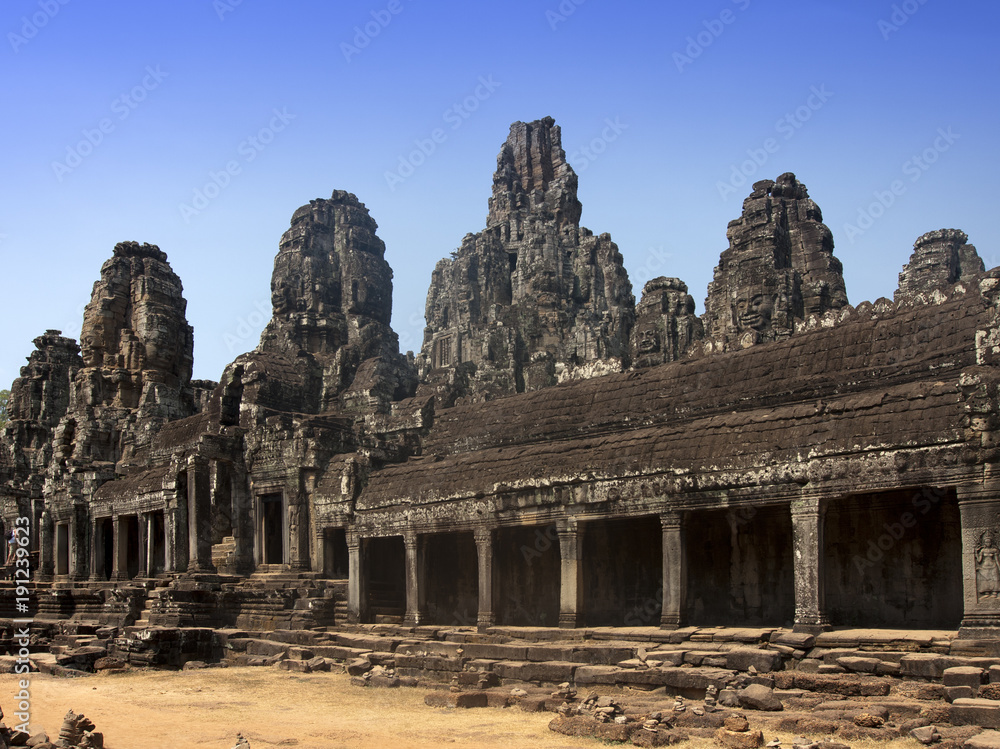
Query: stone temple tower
x: 779, y: 267
x: 535, y: 297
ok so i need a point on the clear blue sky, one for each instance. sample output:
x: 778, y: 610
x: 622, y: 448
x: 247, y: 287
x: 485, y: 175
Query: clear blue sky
x: 842, y: 93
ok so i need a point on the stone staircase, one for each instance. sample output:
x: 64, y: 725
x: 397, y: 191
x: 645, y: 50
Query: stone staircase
x: 850, y: 663
x: 913, y: 676
x: 832, y: 682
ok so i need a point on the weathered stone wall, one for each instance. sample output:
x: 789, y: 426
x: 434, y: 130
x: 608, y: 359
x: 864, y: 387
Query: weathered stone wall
x: 894, y: 560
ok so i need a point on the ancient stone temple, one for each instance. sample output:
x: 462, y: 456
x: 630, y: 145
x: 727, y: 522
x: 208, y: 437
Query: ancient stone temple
x: 556, y: 455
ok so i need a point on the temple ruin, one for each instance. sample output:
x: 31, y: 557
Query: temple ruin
x: 556, y: 454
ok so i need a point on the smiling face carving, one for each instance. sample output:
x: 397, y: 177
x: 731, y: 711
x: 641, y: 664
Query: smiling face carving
x: 649, y: 341
x: 755, y: 313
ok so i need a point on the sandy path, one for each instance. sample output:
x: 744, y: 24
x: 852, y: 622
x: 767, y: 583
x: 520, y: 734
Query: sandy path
x: 206, y: 709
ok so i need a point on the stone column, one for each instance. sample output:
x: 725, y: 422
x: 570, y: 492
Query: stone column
x: 571, y: 577
x: 979, y: 508
x: 807, y: 556
x: 149, y: 523
x: 484, y: 548
x: 674, y: 571
x: 319, y: 552
x: 175, y: 552
x: 416, y: 605
x: 46, y: 548
x: 145, y: 562
x: 79, y: 523
x: 119, y: 549
x: 355, y: 579
x: 97, y: 570
x: 199, y: 524
x: 243, y: 524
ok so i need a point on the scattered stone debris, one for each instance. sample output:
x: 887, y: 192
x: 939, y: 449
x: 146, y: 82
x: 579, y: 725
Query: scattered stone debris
x: 241, y: 742
x: 736, y: 734
x: 759, y: 697
x: 711, y: 698
x: 77, y: 732
x: 926, y: 735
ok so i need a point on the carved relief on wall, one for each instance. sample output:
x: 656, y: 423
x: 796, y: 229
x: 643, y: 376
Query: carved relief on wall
x: 987, y: 565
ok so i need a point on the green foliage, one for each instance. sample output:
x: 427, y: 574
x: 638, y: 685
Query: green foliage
x: 4, y: 398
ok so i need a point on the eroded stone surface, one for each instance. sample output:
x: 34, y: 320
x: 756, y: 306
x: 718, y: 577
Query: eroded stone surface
x: 779, y: 267
x: 940, y: 260
x: 666, y: 325
x: 534, y: 298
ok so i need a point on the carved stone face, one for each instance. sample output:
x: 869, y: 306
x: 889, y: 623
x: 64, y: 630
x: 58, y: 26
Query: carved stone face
x: 281, y: 297
x: 92, y: 346
x: 988, y: 539
x: 755, y: 313
x: 162, y: 349
x: 649, y: 341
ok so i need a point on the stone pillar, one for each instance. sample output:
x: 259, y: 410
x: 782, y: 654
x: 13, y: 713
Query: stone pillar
x: 145, y: 558
x: 416, y: 604
x: 979, y: 508
x: 484, y: 548
x: 807, y: 556
x: 674, y: 571
x: 149, y: 523
x: 46, y: 547
x: 571, y: 577
x: 198, y: 506
x: 175, y: 551
x: 243, y: 525
x: 97, y: 570
x: 355, y: 579
x: 119, y: 548
x: 79, y: 559
x: 319, y: 552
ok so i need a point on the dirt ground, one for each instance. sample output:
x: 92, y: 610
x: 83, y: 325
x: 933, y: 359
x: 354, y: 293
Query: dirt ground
x: 205, y: 709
